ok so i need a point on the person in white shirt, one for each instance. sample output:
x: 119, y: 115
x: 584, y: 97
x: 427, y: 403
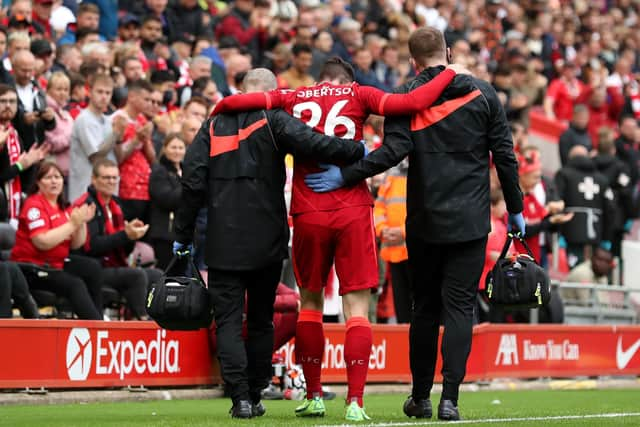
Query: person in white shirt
x: 94, y: 135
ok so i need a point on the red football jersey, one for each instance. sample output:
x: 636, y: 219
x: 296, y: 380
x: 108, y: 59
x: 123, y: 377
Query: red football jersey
x: 332, y: 110
x: 37, y: 216
x: 336, y: 110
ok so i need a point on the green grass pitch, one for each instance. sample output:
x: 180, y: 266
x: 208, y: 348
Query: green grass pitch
x: 597, y: 408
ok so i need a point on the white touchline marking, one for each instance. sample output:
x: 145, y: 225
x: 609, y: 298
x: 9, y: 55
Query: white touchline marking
x: 492, y: 420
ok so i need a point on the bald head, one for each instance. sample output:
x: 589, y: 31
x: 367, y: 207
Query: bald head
x: 259, y: 80
x: 24, y: 66
x: 189, y: 129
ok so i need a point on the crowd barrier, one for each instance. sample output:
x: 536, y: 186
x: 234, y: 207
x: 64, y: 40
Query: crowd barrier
x: 96, y: 354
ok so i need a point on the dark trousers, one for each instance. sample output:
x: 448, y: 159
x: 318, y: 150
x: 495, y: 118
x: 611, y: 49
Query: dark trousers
x: 163, y: 251
x: 401, y: 282
x: 444, y: 279
x: 132, y: 283
x: 13, y: 285
x: 80, y: 282
x: 246, y: 366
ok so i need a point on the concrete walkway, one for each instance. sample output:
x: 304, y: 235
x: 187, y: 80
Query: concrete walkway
x: 45, y: 397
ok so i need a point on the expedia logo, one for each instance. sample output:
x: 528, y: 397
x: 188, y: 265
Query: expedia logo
x: 119, y: 358
x: 78, y: 354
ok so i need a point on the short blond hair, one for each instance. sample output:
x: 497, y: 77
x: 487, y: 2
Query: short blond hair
x: 57, y: 77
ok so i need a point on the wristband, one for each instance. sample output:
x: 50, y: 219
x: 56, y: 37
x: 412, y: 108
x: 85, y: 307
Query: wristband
x: 19, y: 166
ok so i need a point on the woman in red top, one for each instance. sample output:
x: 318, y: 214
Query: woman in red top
x: 46, y: 233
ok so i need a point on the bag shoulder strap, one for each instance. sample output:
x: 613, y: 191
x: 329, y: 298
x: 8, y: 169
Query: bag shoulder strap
x: 507, y: 243
x: 194, y: 270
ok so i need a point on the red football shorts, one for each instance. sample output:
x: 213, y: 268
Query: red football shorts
x: 345, y: 236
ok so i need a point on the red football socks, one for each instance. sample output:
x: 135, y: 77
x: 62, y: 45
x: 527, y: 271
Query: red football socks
x: 310, y: 349
x: 357, y: 349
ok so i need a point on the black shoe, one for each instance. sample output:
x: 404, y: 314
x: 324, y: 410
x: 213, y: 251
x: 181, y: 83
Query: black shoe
x: 417, y: 408
x: 241, y: 409
x: 258, y: 409
x: 447, y: 411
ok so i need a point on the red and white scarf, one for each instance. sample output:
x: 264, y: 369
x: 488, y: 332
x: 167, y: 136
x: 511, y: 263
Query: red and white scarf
x: 14, y: 186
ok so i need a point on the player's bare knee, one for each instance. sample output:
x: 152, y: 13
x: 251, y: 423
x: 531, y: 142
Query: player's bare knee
x: 356, y: 303
x: 311, y: 300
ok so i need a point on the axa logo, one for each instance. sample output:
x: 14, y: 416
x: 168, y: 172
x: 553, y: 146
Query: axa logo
x: 79, y: 353
x: 623, y: 357
x: 507, y: 350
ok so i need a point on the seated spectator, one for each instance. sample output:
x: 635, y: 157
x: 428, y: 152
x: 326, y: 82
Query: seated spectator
x: 591, y: 271
x: 110, y: 239
x: 13, y: 285
x: 59, y: 138
x: 47, y: 230
x: 165, y: 190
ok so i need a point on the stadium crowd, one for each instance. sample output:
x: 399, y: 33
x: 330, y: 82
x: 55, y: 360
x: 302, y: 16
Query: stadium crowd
x: 99, y: 99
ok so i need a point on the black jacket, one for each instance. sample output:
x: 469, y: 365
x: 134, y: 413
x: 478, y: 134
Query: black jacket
x: 165, y: 191
x: 585, y: 192
x: 449, y: 146
x: 240, y: 175
x: 628, y: 152
x: 186, y: 21
x: 569, y: 139
x: 617, y: 173
x: 112, y: 249
x: 34, y: 133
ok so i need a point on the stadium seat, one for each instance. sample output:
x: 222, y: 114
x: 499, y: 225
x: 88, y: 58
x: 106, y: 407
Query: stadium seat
x: 61, y: 307
x: 114, y: 302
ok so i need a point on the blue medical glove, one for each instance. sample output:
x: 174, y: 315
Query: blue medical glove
x: 180, y: 249
x: 516, y: 223
x: 328, y: 180
x: 606, y: 245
